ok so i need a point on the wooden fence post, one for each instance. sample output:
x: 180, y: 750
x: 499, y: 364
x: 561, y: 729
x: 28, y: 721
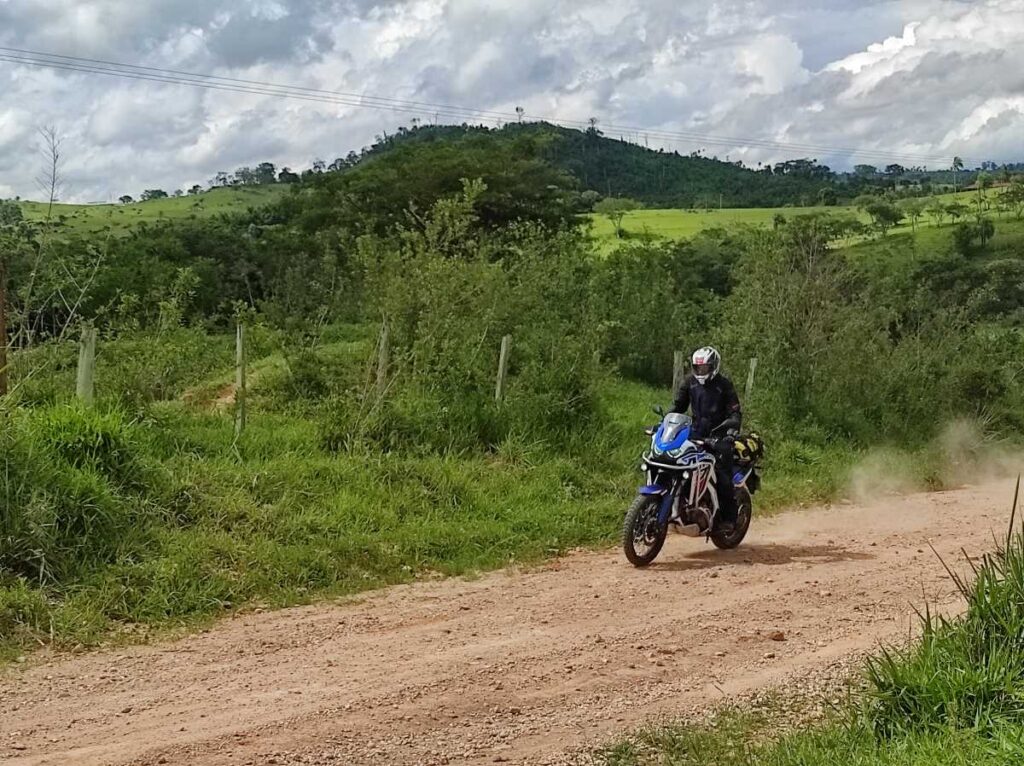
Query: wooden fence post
x: 750, y: 377
x: 678, y: 369
x: 84, y: 387
x: 240, y: 384
x: 499, y: 389
x: 383, y: 357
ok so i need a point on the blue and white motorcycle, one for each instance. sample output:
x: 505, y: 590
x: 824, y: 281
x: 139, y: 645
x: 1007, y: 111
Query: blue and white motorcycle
x: 681, y: 494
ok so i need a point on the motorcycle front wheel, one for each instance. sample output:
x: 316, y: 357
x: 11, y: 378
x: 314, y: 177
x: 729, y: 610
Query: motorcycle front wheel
x: 642, y: 534
x: 744, y: 511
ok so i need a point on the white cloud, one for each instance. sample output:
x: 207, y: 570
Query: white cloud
x: 920, y: 77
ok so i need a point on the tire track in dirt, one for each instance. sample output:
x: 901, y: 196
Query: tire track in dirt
x: 518, y: 667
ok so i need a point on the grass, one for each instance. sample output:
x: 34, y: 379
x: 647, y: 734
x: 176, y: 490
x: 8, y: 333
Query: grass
x: 116, y: 219
x: 681, y: 224
x: 675, y: 224
x: 659, y: 223
x: 952, y: 698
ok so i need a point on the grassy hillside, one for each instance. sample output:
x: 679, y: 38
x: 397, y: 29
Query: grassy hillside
x: 114, y: 219
x: 676, y: 224
x: 681, y: 224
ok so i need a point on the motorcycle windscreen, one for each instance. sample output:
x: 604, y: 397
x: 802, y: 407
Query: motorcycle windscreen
x: 674, y: 431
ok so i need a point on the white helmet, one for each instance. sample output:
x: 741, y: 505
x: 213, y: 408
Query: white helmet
x: 706, y: 364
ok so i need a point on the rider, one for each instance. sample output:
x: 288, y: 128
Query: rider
x: 716, y: 418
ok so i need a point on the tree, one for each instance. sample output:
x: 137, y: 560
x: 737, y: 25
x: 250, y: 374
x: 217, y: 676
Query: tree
x: 864, y: 201
x: 938, y: 211
x: 827, y: 197
x: 966, y: 233
x: 913, y: 209
x: 1013, y: 197
x: 265, y: 173
x: 615, y: 208
x: 895, y: 170
x: 245, y: 176
x: 956, y: 210
x: 196, y: 189
x: 588, y: 199
x: 865, y: 171
x: 286, y: 176
x: 10, y: 213
x: 126, y: 199
x: 884, y: 215
x: 804, y: 168
x: 958, y: 165
x: 151, y: 194
x: 986, y: 230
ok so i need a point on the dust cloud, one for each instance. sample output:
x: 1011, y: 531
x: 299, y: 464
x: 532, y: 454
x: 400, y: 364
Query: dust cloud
x: 961, y: 455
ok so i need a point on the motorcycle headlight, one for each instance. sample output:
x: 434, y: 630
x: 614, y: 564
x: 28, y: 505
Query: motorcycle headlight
x: 686, y: 474
x: 643, y: 466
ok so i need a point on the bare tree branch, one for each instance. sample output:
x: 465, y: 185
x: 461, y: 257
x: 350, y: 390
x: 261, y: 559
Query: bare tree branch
x: 51, y: 179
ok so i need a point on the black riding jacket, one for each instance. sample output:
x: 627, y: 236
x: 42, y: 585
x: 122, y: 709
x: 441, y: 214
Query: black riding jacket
x: 714, y: 405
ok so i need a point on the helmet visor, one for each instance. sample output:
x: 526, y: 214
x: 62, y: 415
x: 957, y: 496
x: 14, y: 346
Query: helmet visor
x: 703, y: 370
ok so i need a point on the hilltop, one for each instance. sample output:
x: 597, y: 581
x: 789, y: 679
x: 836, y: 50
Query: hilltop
x: 617, y: 168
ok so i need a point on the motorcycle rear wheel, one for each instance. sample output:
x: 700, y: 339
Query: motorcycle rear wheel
x: 642, y: 534
x: 744, y: 512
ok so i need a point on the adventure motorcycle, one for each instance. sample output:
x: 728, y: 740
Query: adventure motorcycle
x: 681, y: 491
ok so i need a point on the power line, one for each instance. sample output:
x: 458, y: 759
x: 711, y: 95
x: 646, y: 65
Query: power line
x: 340, y: 98
x: 218, y: 86
x: 41, y: 59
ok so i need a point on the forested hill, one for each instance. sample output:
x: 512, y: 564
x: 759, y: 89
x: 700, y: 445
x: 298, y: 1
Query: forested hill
x: 618, y: 168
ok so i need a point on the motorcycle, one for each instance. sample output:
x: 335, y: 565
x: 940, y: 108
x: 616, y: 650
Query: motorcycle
x: 681, y: 492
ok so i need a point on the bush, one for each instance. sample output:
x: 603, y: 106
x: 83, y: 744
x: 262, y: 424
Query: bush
x: 841, y: 349
x: 449, y: 297
x: 142, y: 368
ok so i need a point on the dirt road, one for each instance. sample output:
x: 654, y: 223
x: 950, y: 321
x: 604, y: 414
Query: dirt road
x: 517, y: 667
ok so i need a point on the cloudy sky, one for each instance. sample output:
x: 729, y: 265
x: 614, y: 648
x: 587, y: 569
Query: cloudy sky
x: 899, y: 80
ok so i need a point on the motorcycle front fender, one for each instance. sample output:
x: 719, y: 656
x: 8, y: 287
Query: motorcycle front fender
x: 654, y: 490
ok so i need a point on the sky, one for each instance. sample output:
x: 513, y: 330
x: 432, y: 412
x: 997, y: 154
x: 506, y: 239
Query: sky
x: 908, y: 81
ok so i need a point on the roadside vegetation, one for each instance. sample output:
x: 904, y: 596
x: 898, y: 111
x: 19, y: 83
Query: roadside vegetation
x: 369, y: 461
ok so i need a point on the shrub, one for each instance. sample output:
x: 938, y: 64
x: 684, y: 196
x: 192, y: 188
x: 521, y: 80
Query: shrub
x: 449, y: 296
